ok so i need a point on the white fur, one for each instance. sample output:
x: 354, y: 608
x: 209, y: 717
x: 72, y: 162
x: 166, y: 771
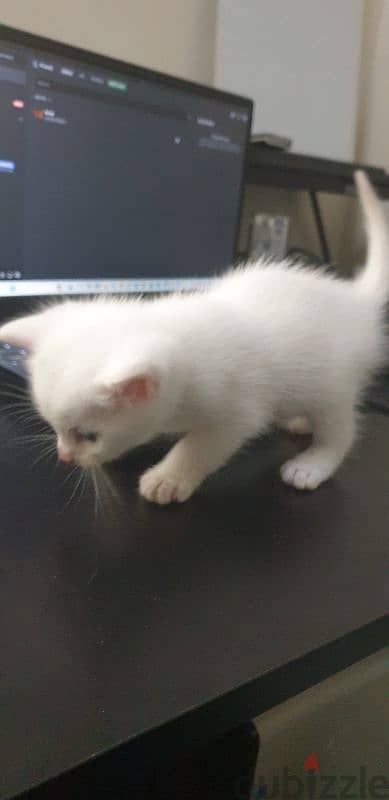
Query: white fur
x: 265, y: 344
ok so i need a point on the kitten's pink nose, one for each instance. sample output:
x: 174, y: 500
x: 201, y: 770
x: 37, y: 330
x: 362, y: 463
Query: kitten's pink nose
x: 63, y: 454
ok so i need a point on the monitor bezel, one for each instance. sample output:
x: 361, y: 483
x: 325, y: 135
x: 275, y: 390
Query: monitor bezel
x: 10, y: 306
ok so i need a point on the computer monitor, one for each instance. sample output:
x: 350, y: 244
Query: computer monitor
x: 113, y: 178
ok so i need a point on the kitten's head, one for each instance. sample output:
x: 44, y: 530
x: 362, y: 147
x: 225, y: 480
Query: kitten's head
x: 97, y: 376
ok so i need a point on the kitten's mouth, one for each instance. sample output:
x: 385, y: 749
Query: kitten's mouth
x: 88, y: 462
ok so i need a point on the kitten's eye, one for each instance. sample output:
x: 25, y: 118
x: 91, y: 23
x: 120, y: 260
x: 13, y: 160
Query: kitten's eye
x: 85, y: 436
x: 90, y: 436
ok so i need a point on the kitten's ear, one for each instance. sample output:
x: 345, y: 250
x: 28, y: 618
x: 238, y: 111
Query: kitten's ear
x: 138, y: 387
x: 25, y: 331
x: 137, y: 371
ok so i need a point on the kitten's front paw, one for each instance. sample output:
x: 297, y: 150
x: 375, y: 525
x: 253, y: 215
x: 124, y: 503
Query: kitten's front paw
x: 162, y: 485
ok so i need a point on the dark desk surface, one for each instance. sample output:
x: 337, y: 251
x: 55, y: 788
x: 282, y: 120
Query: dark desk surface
x: 271, y: 167
x: 168, y: 626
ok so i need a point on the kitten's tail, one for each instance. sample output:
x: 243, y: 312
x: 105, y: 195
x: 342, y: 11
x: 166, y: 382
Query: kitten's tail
x: 374, y: 278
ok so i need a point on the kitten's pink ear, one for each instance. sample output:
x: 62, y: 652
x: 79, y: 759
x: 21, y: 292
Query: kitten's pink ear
x: 135, y: 389
x: 25, y: 331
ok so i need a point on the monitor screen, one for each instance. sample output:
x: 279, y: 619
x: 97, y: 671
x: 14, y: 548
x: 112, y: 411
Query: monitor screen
x: 112, y: 178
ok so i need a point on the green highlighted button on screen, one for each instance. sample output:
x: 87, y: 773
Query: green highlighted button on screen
x: 120, y: 85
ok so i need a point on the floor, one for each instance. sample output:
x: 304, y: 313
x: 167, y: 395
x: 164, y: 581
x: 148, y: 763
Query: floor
x: 338, y: 728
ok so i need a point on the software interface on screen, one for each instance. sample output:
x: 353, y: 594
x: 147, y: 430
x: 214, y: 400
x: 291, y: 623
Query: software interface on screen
x: 112, y: 181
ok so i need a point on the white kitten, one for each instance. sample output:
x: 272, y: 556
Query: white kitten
x: 265, y: 344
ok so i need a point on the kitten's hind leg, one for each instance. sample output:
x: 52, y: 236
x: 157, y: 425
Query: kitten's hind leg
x: 333, y: 434
x: 300, y: 425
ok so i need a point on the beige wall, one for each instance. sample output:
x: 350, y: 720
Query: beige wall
x: 373, y: 121
x: 341, y: 215
x: 175, y: 36
x: 372, y: 143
